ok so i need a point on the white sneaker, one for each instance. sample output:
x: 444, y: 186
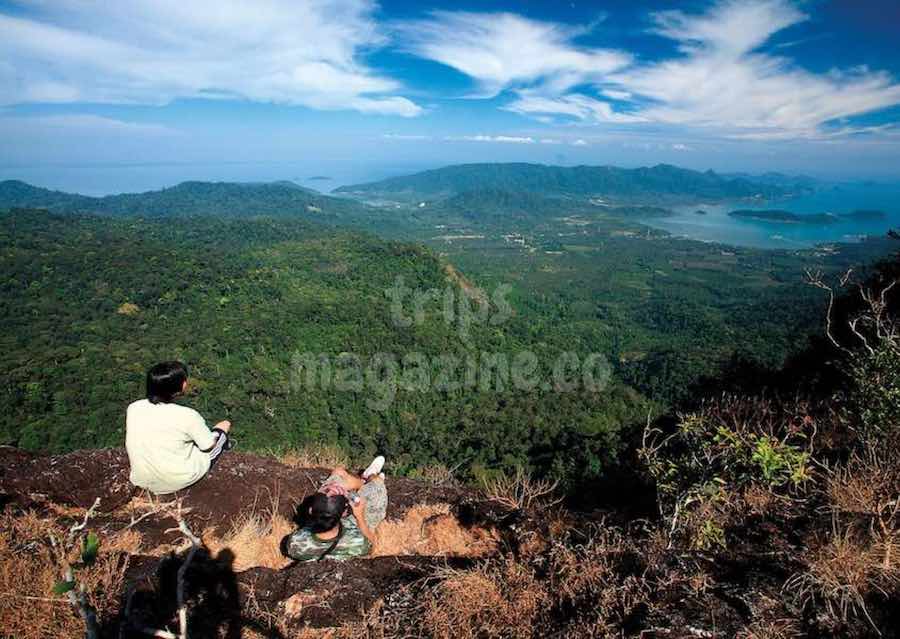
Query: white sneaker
x: 374, y: 468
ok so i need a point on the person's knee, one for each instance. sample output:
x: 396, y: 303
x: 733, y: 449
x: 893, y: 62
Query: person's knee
x: 340, y: 471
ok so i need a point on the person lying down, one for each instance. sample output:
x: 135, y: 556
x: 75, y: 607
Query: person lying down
x: 339, y: 520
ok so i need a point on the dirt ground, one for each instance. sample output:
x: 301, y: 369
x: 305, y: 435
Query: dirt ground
x: 239, y: 581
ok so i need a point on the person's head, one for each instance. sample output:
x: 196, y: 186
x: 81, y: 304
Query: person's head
x: 165, y: 381
x: 320, y: 512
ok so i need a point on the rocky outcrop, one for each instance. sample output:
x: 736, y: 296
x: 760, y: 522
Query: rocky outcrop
x: 241, y: 510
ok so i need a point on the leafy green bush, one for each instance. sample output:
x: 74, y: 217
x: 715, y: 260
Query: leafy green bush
x: 875, y: 394
x: 703, y: 468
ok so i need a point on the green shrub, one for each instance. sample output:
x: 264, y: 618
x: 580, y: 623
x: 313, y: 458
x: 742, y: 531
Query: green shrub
x: 703, y: 468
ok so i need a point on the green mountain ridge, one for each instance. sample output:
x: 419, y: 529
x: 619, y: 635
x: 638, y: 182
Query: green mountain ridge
x: 192, y: 198
x: 662, y: 180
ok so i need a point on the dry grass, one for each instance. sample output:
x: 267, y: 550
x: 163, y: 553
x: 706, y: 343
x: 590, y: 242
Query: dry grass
x: 28, y: 571
x: 254, y: 539
x: 432, y: 530
x: 438, y: 475
x: 760, y: 499
x: 866, y: 485
x: 841, y: 573
x: 772, y: 629
x: 589, y: 578
x: 315, y: 456
x: 521, y: 492
x: 503, y: 599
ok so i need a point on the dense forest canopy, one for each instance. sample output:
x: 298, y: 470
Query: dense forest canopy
x: 90, y: 302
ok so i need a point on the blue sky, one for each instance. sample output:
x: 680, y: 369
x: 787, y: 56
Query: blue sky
x: 278, y: 89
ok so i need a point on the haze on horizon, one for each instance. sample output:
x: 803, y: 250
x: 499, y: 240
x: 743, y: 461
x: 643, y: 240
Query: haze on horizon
x: 104, y: 98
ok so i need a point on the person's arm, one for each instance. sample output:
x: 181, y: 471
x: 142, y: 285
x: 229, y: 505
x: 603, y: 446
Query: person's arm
x: 359, y: 513
x: 223, y: 426
x: 202, y: 436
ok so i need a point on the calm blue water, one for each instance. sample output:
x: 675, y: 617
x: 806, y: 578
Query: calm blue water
x: 100, y: 180
x: 717, y: 226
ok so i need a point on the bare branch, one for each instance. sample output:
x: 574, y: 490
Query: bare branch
x: 87, y: 515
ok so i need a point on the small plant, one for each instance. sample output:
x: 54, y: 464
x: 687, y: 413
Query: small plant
x: 522, y: 492
x: 715, y: 456
x: 67, y: 585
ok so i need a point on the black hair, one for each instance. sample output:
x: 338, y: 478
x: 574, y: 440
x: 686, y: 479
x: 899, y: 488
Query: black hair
x: 165, y: 381
x: 320, y: 512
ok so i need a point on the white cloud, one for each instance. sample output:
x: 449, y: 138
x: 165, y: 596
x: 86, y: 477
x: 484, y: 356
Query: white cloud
x: 678, y: 146
x: 404, y: 136
x: 85, y: 124
x: 573, y: 104
x: 722, y: 82
x: 504, y: 50
x: 725, y: 82
x: 616, y: 94
x: 579, y: 142
x: 503, y: 139
x: 303, y: 52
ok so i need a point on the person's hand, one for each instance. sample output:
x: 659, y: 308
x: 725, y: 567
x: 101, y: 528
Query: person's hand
x: 224, y: 425
x: 359, y: 508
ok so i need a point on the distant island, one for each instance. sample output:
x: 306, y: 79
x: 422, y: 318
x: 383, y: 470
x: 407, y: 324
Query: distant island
x: 654, y: 185
x: 865, y: 215
x: 699, y: 212
x: 320, y: 178
x: 786, y: 217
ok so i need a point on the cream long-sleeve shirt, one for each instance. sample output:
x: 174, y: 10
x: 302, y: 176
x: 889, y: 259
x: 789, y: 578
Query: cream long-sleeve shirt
x: 167, y: 446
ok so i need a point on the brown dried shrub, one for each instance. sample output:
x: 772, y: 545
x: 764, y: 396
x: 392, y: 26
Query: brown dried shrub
x: 597, y: 582
x: 498, y: 599
x: 29, y: 570
x: 520, y: 491
x: 315, y: 456
x: 842, y: 571
x: 432, y: 529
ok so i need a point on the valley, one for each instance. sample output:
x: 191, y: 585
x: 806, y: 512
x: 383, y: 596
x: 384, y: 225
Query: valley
x: 237, y: 279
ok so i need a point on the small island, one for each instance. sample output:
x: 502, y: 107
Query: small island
x: 699, y: 212
x: 785, y: 217
x: 864, y: 215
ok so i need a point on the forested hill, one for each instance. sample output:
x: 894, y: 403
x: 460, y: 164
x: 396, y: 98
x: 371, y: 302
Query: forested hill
x: 662, y: 180
x: 89, y: 302
x: 224, y: 199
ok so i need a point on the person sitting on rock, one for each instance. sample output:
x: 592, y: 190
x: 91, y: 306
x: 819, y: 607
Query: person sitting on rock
x: 339, y: 520
x: 169, y: 446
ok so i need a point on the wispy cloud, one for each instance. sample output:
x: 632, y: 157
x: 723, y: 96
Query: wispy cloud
x: 577, y: 105
x: 722, y: 82
x: 407, y: 137
x: 85, y: 124
x: 505, y: 50
x: 503, y: 139
x: 154, y: 51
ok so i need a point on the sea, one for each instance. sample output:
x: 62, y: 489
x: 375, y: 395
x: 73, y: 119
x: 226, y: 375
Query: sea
x: 715, y: 225
x: 105, y: 179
